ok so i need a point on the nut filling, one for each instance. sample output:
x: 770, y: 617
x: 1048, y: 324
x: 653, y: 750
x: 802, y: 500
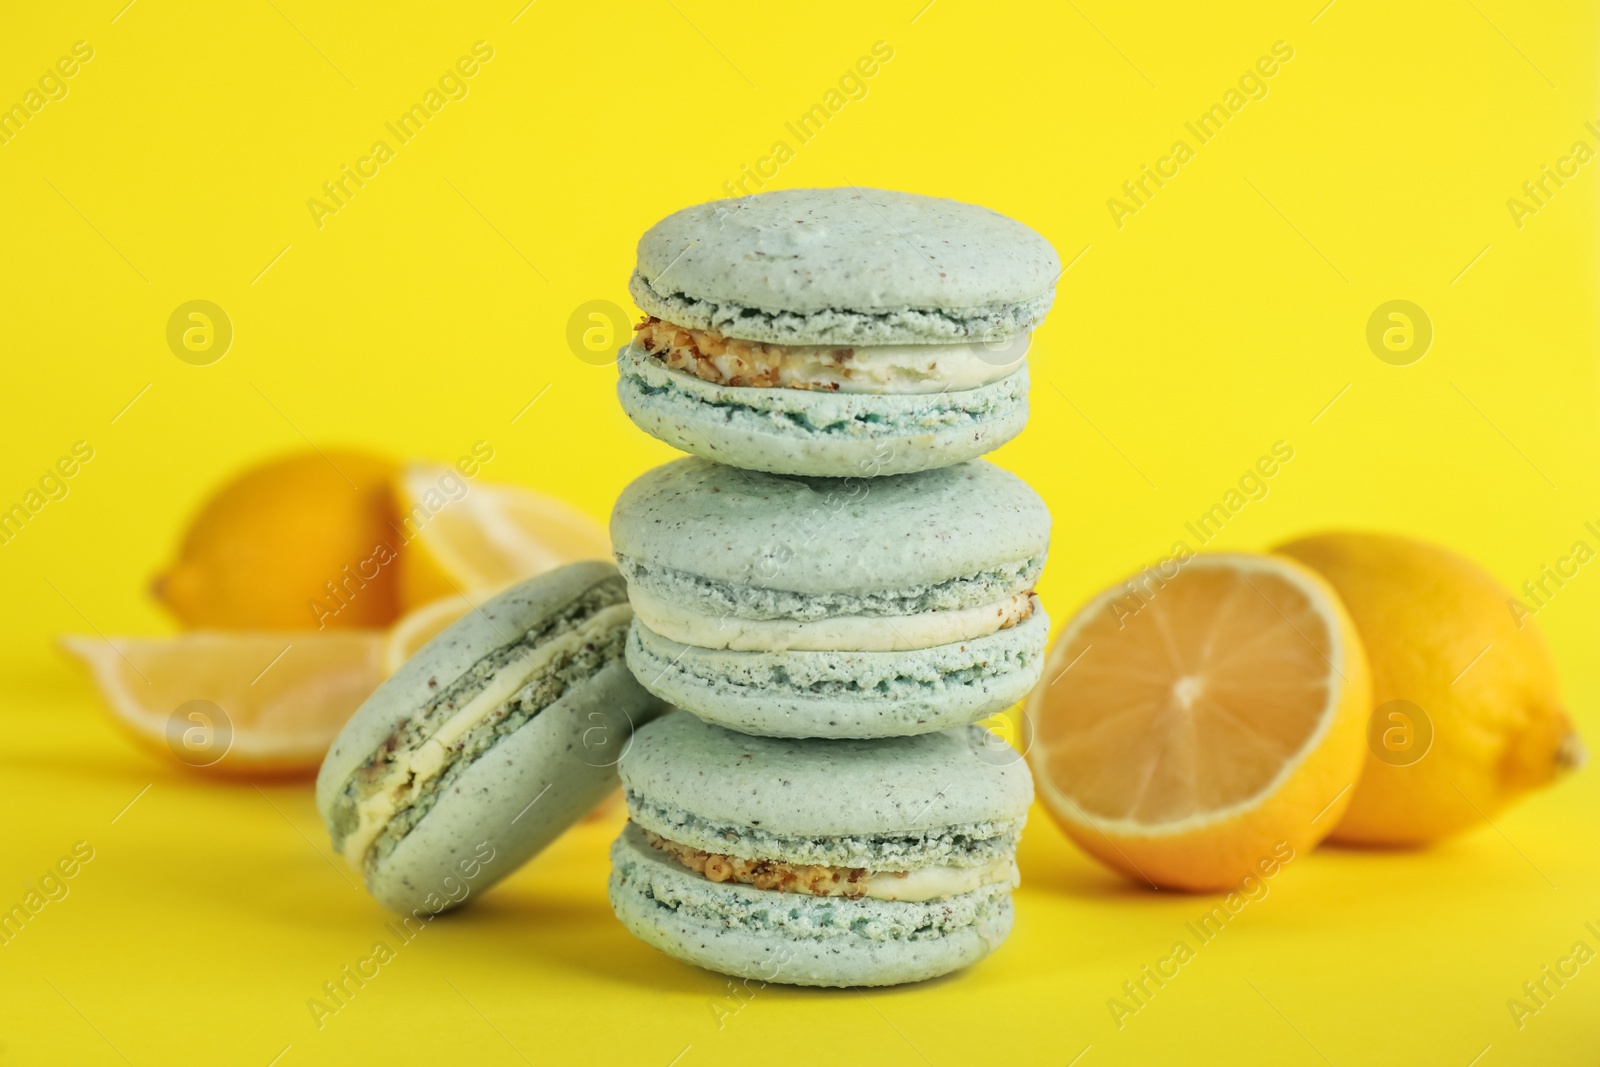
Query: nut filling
x: 713, y: 357
x: 920, y: 884
x: 766, y: 874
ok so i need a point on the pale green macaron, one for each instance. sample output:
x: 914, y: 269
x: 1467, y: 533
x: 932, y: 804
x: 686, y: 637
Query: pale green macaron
x: 835, y: 332
x: 826, y: 863
x: 824, y: 607
x: 495, y: 737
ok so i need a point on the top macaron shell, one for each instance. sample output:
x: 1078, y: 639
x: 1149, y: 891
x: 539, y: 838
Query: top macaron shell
x: 849, y: 789
x: 846, y: 267
x: 827, y: 536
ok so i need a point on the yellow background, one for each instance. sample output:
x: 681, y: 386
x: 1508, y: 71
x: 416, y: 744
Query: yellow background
x: 1224, y: 316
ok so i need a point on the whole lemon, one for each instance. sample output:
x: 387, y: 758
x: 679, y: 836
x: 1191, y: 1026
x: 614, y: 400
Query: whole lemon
x: 1467, y: 712
x: 305, y: 542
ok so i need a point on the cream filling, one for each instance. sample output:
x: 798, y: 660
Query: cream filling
x: 875, y: 369
x: 896, y: 368
x: 855, y: 633
x: 936, y: 883
x: 412, y: 771
x: 774, y: 876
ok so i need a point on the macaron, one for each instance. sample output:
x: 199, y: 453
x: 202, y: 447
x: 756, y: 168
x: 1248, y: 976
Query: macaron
x: 827, y: 863
x: 833, y: 607
x: 497, y: 735
x: 835, y: 332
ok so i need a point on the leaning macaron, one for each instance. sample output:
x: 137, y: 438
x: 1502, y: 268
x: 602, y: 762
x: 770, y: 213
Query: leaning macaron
x: 829, y: 863
x: 497, y: 735
x: 823, y: 607
x: 835, y: 331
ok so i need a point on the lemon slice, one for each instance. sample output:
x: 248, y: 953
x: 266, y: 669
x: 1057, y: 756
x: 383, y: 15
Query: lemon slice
x: 246, y: 703
x: 417, y: 628
x: 465, y: 538
x: 1197, y: 726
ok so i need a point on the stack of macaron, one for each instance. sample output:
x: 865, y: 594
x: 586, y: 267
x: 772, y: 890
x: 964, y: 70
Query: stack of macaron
x: 833, y: 588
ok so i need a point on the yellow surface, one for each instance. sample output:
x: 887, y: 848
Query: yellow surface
x: 1225, y: 315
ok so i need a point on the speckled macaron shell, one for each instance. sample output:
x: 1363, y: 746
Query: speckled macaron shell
x: 806, y: 431
x: 822, y: 536
x: 798, y: 788
x: 846, y: 266
x: 551, y: 762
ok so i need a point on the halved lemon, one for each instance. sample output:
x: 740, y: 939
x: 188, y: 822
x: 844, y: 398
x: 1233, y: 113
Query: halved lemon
x: 243, y: 703
x: 462, y: 538
x: 1202, y: 721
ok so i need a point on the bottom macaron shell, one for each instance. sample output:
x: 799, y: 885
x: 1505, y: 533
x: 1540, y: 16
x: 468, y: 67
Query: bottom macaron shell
x: 809, y: 432
x: 844, y: 694
x: 516, y: 798
x: 794, y: 938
